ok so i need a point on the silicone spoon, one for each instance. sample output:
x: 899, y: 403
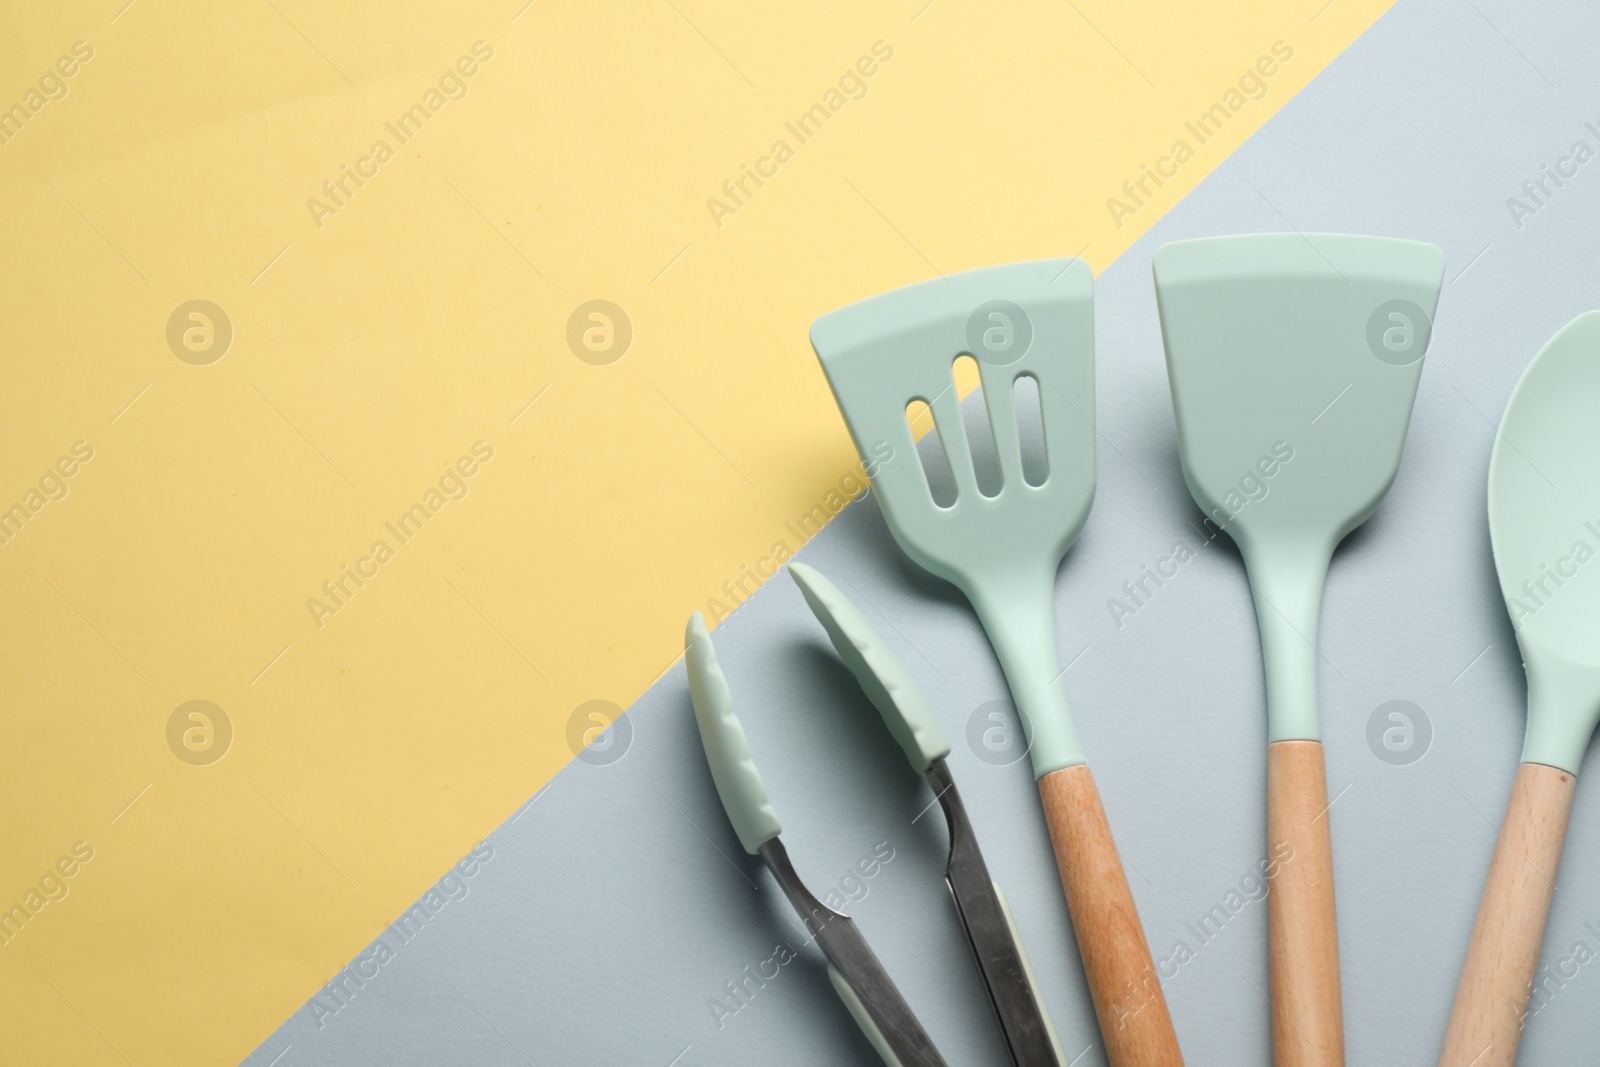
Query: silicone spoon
x: 985, y: 916
x: 1293, y: 362
x: 1022, y: 320
x: 857, y: 976
x: 1544, y: 521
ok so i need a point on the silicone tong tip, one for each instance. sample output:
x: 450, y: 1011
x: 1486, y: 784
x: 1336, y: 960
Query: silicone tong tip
x: 882, y: 677
x: 738, y: 782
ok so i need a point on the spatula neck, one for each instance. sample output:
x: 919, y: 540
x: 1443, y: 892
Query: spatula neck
x: 1286, y: 584
x: 1018, y: 613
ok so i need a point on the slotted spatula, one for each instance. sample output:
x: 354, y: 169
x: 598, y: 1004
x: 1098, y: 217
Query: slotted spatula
x: 1544, y: 520
x: 1293, y: 361
x: 1023, y: 319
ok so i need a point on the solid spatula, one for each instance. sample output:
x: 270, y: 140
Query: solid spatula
x: 1033, y: 320
x: 1544, y: 520
x: 1293, y: 362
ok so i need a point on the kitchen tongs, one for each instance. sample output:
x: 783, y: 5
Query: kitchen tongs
x: 857, y: 976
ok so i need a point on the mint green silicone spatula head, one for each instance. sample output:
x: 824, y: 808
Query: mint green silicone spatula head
x: 1293, y: 362
x: 1544, y: 520
x: 1021, y: 320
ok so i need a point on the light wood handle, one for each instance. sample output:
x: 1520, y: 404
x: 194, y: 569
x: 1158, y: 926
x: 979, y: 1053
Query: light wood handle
x: 1492, y: 998
x: 1134, y: 1024
x: 1302, y: 932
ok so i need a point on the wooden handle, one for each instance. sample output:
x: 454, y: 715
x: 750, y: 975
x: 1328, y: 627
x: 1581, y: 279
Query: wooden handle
x: 1134, y: 1023
x: 1302, y: 934
x: 1492, y: 998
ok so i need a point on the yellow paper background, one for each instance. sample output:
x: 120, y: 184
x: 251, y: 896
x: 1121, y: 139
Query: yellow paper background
x: 422, y: 317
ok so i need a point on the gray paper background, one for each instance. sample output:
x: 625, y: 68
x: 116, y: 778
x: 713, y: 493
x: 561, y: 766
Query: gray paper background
x: 618, y: 902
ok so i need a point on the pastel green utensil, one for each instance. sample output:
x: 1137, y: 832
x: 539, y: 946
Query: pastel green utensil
x: 860, y: 980
x: 985, y: 917
x: 1020, y: 321
x: 1293, y: 361
x: 1544, y: 520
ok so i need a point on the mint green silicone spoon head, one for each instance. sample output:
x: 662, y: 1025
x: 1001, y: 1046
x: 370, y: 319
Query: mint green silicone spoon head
x: 1544, y: 520
x: 1293, y: 361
